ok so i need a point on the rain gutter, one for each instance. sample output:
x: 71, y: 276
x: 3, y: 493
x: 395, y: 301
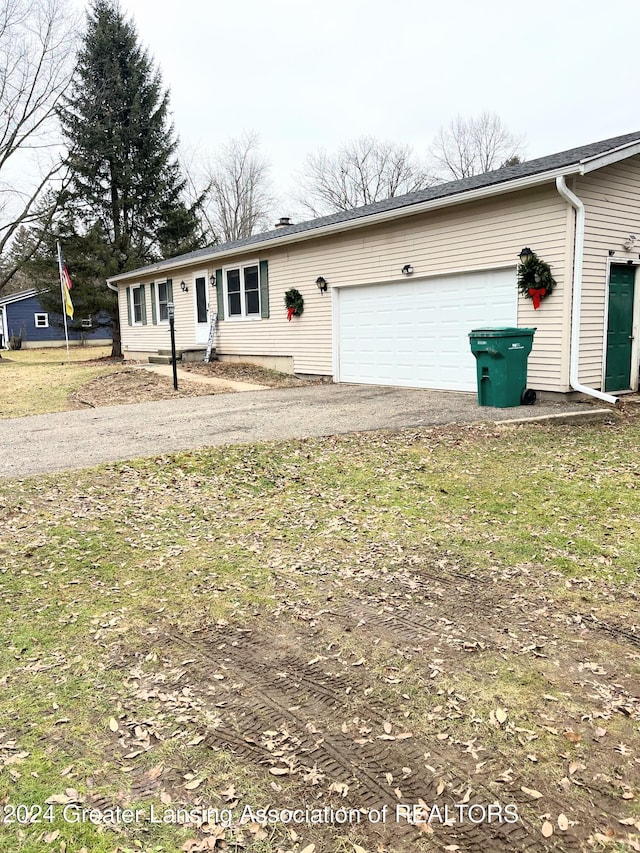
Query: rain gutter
x: 578, y: 256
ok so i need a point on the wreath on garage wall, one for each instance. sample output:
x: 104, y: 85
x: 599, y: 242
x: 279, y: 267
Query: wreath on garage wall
x: 294, y: 303
x: 534, y: 279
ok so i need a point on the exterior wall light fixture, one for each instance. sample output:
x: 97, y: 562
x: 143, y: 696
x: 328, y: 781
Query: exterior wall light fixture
x: 322, y: 284
x: 407, y: 269
x: 184, y: 287
x: 525, y: 255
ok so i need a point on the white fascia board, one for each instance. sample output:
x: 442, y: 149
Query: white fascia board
x: 622, y: 153
x: 351, y: 224
x: 18, y: 297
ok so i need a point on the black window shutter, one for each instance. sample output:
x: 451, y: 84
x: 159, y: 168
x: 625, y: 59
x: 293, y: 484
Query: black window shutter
x: 129, y: 306
x: 143, y: 304
x: 169, y: 290
x: 264, y: 289
x: 220, y: 294
x: 152, y: 296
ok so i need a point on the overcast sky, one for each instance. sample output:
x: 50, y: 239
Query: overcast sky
x: 305, y: 75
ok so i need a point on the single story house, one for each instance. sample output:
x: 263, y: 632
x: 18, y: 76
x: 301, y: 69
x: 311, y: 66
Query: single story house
x: 408, y: 278
x: 22, y: 316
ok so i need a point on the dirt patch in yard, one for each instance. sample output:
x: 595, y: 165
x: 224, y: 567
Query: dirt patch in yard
x: 374, y: 698
x: 243, y: 372
x: 134, y: 385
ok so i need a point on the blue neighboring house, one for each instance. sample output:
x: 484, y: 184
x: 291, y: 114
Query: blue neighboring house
x: 22, y: 316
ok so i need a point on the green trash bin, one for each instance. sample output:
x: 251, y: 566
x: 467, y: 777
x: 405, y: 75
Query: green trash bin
x: 501, y: 364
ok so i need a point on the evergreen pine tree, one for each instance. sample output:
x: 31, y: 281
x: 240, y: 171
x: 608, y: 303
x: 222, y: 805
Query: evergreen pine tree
x: 124, y: 202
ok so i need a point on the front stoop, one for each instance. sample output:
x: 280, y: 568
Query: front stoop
x: 197, y: 354
x: 192, y: 355
x: 164, y: 357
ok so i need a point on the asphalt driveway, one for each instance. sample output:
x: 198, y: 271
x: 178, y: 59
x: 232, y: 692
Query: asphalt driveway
x: 77, y: 439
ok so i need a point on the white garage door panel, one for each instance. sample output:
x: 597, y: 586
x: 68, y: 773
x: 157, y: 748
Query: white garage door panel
x: 416, y: 333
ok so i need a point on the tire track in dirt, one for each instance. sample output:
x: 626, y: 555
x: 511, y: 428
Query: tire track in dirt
x: 259, y: 708
x: 537, y: 630
x: 474, y: 592
x: 274, y: 679
x: 269, y: 698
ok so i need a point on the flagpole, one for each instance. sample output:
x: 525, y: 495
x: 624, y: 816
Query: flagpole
x: 62, y: 286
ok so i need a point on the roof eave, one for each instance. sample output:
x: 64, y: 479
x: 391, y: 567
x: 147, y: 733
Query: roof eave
x: 361, y: 222
x: 18, y: 297
x: 590, y: 164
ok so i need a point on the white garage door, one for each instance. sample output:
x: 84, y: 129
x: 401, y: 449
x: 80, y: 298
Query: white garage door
x: 416, y: 333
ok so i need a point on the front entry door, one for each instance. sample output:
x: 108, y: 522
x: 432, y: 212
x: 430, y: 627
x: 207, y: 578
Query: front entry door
x: 201, y: 309
x: 620, y: 328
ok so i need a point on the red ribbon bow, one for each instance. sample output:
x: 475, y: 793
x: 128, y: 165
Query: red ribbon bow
x: 537, y: 294
x: 290, y: 312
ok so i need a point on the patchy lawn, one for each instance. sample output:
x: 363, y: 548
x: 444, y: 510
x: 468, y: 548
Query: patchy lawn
x: 55, y: 355
x: 35, y: 382
x: 38, y: 381
x: 350, y: 626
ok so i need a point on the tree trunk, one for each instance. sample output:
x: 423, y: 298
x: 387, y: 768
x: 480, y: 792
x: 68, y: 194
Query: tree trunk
x: 116, y: 346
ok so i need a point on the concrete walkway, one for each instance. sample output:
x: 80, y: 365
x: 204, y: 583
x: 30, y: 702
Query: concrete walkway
x: 187, y: 376
x: 77, y: 439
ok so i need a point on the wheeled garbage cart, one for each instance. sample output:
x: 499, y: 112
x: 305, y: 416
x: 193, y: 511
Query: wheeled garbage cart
x: 501, y: 364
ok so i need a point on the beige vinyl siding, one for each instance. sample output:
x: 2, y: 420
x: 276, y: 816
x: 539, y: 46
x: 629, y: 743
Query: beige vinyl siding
x: 150, y: 338
x: 612, y: 201
x: 482, y: 235
x: 306, y: 339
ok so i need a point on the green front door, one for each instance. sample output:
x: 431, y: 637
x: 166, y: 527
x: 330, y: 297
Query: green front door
x: 620, y: 329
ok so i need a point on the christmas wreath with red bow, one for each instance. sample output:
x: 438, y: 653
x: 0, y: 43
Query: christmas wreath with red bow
x: 294, y: 303
x: 534, y: 279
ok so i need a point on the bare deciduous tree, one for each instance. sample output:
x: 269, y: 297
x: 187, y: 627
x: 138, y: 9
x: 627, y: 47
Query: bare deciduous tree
x: 468, y: 147
x: 361, y: 172
x: 36, y: 48
x: 234, y: 187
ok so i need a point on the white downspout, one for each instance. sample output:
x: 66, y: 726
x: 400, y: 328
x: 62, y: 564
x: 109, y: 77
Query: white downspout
x: 578, y: 254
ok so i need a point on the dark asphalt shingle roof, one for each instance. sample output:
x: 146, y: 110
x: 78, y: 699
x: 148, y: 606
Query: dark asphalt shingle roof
x: 564, y: 159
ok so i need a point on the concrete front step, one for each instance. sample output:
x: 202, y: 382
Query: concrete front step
x: 161, y: 359
x: 197, y: 354
x: 164, y: 356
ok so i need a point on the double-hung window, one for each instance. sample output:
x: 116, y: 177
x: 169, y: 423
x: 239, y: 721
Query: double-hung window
x: 41, y: 321
x: 242, y: 291
x: 137, y: 299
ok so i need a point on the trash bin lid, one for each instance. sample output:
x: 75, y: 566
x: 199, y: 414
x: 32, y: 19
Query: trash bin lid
x: 501, y: 332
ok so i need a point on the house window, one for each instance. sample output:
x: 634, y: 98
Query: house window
x: 136, y: 297
x: 163, y: 300
x: 87, y: 323
x: 41, y: 321
x: 242, y: 297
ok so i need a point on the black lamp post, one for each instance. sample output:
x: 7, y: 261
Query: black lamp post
x: 172, y: 332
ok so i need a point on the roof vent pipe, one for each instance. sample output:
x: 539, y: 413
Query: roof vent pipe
x: 578, y: 254
x: 283, y: 222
